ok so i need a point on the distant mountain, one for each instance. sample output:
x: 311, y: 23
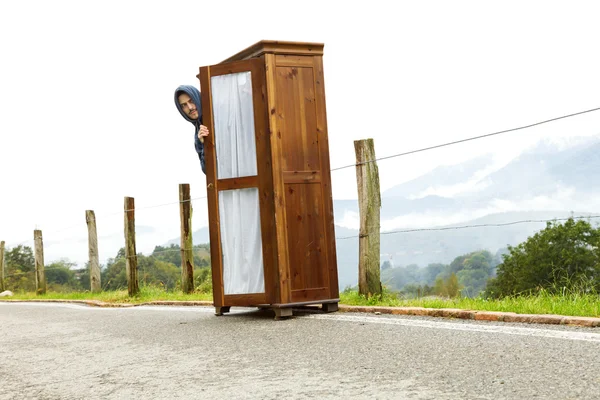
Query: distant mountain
x: 546, y: 182
x: 440, y: 176
x: 545, y: 169
x: 538, y: 171
x: 578, y: 168
x: 199, y: 236
x: 392, y: 207
x: 423, y: 247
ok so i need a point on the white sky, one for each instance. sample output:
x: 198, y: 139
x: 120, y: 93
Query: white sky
x: 87, y: 114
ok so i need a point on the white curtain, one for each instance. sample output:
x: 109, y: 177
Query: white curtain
x: 233, y: 112
x: 241, y: 243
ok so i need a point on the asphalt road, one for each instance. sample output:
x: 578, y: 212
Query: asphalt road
x: 63, y: 351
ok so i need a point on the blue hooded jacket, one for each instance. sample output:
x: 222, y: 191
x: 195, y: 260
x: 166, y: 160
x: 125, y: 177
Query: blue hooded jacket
x: 195, y: 96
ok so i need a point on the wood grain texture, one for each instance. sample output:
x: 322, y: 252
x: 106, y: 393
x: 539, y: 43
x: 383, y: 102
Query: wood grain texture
x: 302, y: 159
x: 243, y: 182
x: 40, y: 275
x: 2, y: 287
x: 131, y: 270
x: 263, y: 181
x: 294, y: 61
x: 186, y: 242
x: 272, y: 47
x: 245, y: 300
x: 283, y: 265
x: 95, y: 276
x: 212, y: 194
x: 369, y: 205
x: 308, y: 264
x: 302, y: 176
x: 297, y: 119
x: 328, y: 217
x: 313, y: 294
x: 294, y: 179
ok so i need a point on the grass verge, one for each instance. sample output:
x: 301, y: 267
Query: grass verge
x: 569, y: 304
x: 146, y: 294
x: 579, y: 305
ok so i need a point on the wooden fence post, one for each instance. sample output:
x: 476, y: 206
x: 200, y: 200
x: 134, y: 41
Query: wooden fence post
x: 130, y: 252
x: 2, y: 288
x: 369, y: 204
x: 187, y: 245
x: 90, y: 219
x: 40, y: 276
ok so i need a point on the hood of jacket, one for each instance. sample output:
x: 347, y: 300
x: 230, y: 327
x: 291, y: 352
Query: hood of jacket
x: 195, y: 96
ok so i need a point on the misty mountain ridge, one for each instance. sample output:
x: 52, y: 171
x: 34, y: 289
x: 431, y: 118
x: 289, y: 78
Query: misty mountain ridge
x: 550, y: 180
x: 554, y: 161
x: 549, y: 176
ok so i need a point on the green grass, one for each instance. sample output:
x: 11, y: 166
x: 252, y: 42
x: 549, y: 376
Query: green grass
x: 146, y: 294
x: 570, y: 304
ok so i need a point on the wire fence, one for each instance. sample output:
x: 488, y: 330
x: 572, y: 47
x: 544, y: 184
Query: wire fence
x: 200, y: 203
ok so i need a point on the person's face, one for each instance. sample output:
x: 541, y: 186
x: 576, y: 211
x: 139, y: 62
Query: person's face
x: 188, y: 106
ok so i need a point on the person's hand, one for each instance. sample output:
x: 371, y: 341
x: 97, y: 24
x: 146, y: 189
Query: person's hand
x: 202, y: 133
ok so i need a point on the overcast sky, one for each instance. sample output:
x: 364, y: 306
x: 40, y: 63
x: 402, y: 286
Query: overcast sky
x: 87, y: 113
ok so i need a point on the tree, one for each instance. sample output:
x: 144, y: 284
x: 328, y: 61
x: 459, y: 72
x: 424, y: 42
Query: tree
x: 449, y: 287
x: 113, y: 276
x: 164, y: 274
x: 560, y: 256
x: 473, y: 281
x: 413, y: 290
x: 476, y: 270
x: 453, y: 288
x: 431, y: 272
x: 20, y: 268
x: 172, y: 254
x: 83, y: 276
x: 60, y: 277
x: 498, y: 257
x: 386, y: 265
x: 203, y: 280
x: 20, y: 258
x: 399, y: 277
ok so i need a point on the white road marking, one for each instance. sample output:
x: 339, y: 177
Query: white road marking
x: 82, y: 306
x: 467, y: 326
x: 470, y: 327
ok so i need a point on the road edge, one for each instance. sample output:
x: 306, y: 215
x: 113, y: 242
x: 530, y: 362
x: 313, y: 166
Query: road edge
x: 450, y: 313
